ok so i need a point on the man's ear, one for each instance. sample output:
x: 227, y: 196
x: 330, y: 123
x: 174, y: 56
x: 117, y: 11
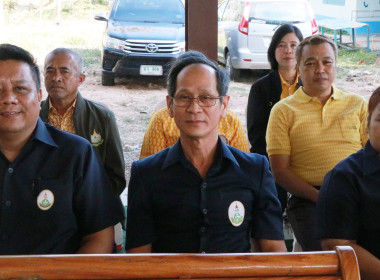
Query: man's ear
x: 225, y: 100
x: 82, y: 77
x: 39, y: 95
x: 169, y: 104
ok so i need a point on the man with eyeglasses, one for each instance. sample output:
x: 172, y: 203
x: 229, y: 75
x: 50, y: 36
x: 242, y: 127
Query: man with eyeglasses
x: 201, y: 195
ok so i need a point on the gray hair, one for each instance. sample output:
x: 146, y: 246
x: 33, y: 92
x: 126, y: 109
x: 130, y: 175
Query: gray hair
x: 76, y: 57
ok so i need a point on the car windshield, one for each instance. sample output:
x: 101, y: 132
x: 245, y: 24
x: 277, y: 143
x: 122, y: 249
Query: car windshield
x: 171, y: 11
x: 285, y: 12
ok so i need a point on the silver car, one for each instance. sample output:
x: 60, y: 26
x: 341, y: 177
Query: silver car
x: 245, y: 30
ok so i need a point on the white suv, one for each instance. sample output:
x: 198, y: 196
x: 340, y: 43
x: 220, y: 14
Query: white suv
x: 245, y: 30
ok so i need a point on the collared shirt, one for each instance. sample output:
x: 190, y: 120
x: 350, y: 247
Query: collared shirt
x: 162, y: 132
x: 54, y: 193
x: 317, y: 136
x: 288, y: 89
x: 63, y: 122
x: 349, y: 201
x: 96, y: 123
x: 171, y: 207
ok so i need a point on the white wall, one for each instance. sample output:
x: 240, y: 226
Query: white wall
x: 354, y: 10
x: 335, y: 11
x: 368, y: 10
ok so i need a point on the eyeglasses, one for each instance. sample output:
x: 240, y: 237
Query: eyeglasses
x: 203, y: 100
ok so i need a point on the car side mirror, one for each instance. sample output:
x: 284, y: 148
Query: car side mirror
x: 101, y: 16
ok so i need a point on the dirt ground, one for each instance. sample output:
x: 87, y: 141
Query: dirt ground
x: 133, y: 100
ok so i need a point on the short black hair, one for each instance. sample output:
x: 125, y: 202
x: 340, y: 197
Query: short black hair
x: 276, y: 39
x: 195, y: 57
x: 12, y: 52
x: 315, y: 40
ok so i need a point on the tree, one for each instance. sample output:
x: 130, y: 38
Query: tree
x: 58, y: 11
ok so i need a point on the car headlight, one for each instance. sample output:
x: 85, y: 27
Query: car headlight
x: 110, y: 42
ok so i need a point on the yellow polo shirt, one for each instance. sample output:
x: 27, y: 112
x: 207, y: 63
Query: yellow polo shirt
x: 162, y: 132
x: 288, y: 89
x: 317, y: 136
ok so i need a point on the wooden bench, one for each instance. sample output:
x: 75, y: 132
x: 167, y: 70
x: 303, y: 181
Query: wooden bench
x: 327, y: 265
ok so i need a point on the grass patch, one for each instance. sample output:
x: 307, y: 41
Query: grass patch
x: 357, y: 58
x: 129, y: 120
x: 91, y: 57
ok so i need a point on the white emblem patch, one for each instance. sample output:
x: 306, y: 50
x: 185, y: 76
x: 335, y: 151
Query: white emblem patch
x: 96, y: 139
x: 45, y: 200
x: 236, y: 213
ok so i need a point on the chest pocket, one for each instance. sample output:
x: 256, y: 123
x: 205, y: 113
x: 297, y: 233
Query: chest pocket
x: 236, y: 201
x: 350, y: 127
x: 53, y: 205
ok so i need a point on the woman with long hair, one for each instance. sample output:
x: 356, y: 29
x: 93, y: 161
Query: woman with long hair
x: 279, y: 83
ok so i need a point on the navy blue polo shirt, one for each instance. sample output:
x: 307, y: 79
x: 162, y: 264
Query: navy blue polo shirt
x: 174, y: 209
x: 349, y: 201
x: 54, y: 193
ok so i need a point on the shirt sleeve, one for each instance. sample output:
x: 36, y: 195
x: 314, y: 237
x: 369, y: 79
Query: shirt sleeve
x: 338, y: 206
x: 234, y: 131
x: 154, y: 137
x: 114, y: 159
x: 257, y: 119
x: 267, y: 217
x: 363, y: 123
x: 140, y: 220
x: 95, y: 204
x: 277, y: 135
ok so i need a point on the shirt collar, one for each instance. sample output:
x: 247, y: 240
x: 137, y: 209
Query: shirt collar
x: 175, y: 154
x: 51, y: 107
x: 301, y: 96
x: 283, y: 82
x: 42, y: 134
x: 371, y: 159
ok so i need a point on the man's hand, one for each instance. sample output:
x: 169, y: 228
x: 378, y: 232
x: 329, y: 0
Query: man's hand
x: 288, y: 180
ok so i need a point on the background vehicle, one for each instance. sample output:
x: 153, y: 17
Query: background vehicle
x: 141, y: 38
x: 245, y: 30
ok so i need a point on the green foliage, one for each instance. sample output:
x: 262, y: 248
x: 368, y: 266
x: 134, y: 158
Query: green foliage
x: 75, y: 41
x: 9, y: 5
x: 91, y: 57
x: 99, y: 2
x: 19, y: 12
x: 357, y: 58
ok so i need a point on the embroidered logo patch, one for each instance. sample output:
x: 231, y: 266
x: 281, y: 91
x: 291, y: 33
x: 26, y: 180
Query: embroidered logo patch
x: 236, y: 213
x: 96, y: 139
x: 45, y: 200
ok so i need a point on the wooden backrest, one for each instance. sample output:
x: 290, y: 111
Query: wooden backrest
x: 327, y: 265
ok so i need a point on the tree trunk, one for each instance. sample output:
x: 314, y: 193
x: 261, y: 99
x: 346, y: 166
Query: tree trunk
x: 58, y: 14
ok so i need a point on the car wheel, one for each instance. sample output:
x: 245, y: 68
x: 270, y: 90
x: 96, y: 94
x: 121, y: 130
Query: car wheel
x: 107, y: 80
x: 233, y: 72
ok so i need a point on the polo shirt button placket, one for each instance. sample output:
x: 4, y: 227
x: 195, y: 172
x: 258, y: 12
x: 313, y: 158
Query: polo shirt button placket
x: 10, y: 170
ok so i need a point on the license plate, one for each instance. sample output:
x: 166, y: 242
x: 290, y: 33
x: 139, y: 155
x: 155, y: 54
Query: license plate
x: 151, y: 70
